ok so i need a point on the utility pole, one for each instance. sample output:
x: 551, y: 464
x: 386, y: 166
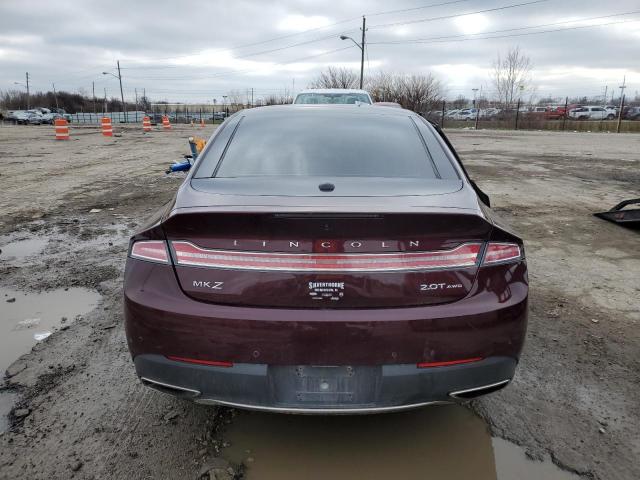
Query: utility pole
x: 119, y: 77
x: 55, y: 95
x: 364, y: 29
x: 104, y: 106
x: 124, y: 105
x: 361, y: 46
x: 27, y: 90
x: 93, y: 91
x: 622, y: 87
x: 136, y: 90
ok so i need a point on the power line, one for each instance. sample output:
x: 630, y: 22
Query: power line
x: 237, y: 72
x: 412, y: 9
x: 445, y: 17
x: 427, y: 39
x: 454, y: 38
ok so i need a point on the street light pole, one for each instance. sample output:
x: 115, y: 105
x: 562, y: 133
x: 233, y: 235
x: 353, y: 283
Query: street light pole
x: 55, y: 95
x: 119, y: 77
x: 364, y: 29
x: 27, y: 90
x: 361, y: 46
x: 124, y: 105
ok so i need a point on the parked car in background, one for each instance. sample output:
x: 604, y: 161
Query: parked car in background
x: 591, y: 113
x: 489, y: 112
x: 633, y: 113
x: 388, y: 104
x: 297, y: 269
x: 538, y: 112
x: 333, y: 96
x: 467, y: 114
x: 34, y: 118
x: 451, y: 113
x: 50, y: 118
x: 555, y: 112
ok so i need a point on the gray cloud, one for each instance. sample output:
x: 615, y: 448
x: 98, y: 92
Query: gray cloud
x: 183, y: 51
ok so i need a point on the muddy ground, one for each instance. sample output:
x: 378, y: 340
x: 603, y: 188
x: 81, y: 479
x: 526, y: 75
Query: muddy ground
x: 81, y: 413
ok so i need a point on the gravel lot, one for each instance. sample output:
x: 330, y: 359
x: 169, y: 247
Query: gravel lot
x: 81, y: 412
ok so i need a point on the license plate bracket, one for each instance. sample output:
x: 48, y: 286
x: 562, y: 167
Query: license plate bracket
x: 324, y: 385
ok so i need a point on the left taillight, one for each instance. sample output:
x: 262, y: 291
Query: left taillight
x: 501, y: 252
x: 151, y: 251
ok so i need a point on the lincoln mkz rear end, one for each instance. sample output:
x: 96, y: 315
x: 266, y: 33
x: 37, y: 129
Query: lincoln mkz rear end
x: 326, y: 259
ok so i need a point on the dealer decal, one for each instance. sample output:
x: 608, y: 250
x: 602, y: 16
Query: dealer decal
x: 326, y: 290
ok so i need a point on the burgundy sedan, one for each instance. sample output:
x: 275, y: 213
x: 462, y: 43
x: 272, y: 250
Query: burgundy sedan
x: 326, y: 259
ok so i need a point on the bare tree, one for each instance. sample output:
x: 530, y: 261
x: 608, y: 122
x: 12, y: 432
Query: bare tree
x: 511, y: 76
x: 460, y: 102
x: 278, y: 98
x: 414, y: 92
x: 334, y: 77
x: 383, y: 87
x: 419, y: 92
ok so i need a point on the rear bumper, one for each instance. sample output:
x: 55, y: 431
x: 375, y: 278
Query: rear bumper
x: 343, y: 389
x: 161, y: 319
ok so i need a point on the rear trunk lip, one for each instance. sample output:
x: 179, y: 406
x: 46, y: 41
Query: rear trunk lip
x: 475, y: 264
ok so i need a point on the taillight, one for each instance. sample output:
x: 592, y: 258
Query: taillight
x: 462, y: 256
x: 151, y: 251
x: 501, y: 252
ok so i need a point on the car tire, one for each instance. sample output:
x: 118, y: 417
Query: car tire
x: 611, y: 116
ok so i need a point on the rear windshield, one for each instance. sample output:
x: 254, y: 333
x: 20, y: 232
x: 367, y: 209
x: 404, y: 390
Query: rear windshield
x: 332, y: 98
x: 327, y: 145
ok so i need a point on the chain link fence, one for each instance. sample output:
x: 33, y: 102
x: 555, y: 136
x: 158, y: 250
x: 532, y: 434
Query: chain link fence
x: 523, y: 116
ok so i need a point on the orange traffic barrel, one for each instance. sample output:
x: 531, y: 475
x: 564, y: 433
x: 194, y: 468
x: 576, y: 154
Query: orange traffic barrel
x: 201, y: 123
x: 62, y: 129
x: 107, y: 129
x: 165, y: 123
x: 146, y: 124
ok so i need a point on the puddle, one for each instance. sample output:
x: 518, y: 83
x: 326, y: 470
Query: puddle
x: 431, y: 443
x: 34, y: 316
x: 21, y: 249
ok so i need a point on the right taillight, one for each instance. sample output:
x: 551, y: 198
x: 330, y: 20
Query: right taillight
x: 501, y: 252
x: 151, y: 251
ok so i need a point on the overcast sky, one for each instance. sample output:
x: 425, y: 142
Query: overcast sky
x: 188, y: 51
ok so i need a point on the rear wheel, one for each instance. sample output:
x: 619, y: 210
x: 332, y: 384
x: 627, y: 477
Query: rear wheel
x: 611, y: 116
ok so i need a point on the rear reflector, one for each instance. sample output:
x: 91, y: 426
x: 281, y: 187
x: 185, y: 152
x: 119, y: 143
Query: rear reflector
x: 150, y: 250
x: 210, y: 363
x: 463, y: 256
x: 448, y: 363
x: 501, y: 252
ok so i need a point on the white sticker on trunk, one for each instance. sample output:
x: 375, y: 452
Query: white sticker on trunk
x: 326, y: 290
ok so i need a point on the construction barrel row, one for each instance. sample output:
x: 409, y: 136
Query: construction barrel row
x: 62, y: 126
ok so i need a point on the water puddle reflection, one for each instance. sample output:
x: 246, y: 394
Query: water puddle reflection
x: 17, y: 251
x: 431, y: 443
x: 27, y: 318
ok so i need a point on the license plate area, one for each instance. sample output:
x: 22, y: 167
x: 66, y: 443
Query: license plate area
x: 324, y: 385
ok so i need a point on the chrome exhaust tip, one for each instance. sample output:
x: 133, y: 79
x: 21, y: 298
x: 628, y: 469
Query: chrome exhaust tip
x: 169, y: 389
x: 470, y: 393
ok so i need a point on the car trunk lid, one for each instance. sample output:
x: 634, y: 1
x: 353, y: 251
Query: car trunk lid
x: 325, y: 259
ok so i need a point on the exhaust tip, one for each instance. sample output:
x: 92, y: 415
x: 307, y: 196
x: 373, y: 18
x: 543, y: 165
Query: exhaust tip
x: 169, y: 389
x: 470, y: 393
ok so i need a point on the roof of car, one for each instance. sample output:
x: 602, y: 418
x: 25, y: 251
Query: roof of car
x: 333, y: 90
x: 360, y: 109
